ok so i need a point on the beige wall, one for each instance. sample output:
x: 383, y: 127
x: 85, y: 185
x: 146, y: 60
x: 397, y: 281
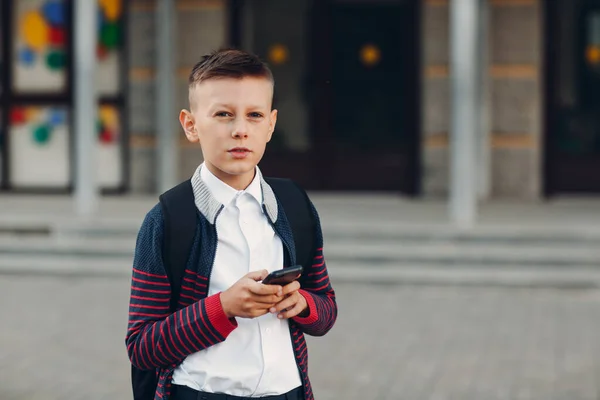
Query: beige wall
x: 515, y: 58
x: 200, y: 28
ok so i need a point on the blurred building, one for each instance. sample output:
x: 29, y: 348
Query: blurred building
x: 362, y: 87
x: 36, y: 82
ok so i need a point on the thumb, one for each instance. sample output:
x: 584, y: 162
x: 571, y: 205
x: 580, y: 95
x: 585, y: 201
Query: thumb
x: 258, y: 275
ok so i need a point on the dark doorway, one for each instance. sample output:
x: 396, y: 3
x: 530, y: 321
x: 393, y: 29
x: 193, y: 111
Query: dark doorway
x: 573, y: 96
x: 373, y: 104
x: 353, y: 66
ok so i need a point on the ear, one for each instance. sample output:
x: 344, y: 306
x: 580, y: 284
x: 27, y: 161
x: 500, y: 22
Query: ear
x: 187, y: 123
x: 272, y: 122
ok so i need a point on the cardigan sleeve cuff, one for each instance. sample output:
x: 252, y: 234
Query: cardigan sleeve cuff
x: 312, y: 310
x: 217, y: 316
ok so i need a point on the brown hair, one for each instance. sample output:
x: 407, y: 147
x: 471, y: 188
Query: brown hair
x: 229, y: 63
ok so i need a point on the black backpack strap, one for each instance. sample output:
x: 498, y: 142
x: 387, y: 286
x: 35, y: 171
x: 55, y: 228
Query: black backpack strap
x: 297, y: 209
x: 179, y: 216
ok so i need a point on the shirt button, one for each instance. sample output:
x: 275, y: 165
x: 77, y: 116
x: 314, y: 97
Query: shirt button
x: 268, y: 331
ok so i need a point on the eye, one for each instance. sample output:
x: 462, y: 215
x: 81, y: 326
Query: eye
x: 223, y: 114
x: 255, y: 115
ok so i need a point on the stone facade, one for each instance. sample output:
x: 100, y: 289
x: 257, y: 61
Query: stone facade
x: 514, y: 82
x: 200, y: 28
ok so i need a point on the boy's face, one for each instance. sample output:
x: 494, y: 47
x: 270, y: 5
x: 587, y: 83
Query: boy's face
x: 233, y: 121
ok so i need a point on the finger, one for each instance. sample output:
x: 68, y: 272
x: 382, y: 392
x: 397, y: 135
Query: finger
x: 270, y: 299
x: 262, y: 307
x: 289, y: 302
x: 291, y: 313
x: 257, y: 275
x: 291, y: 287
x: 255, y: 312
x: 265, y: 290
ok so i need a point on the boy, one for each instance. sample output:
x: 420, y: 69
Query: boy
x: 232, y: 336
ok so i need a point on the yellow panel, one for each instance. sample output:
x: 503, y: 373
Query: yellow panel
x: 186, y: 144
x: 436, y: 141
x: 141, y: 74
x: 436, y: 3
x: 514, y: 71
x: 139, y: 140
x: 184, y: 73
x: 436, y: 71
x: 498, y: 141
x: 147, y: 73
x: 191, y: 5
x: 496, y: 71
x: 514, y: 141
x: 142, y: 141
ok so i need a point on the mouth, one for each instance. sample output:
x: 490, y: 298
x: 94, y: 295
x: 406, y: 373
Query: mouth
x: 239, y: 150
x: 239, y: 153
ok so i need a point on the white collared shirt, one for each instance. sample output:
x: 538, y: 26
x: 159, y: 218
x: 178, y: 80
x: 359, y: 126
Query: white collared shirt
x: 257, y: 358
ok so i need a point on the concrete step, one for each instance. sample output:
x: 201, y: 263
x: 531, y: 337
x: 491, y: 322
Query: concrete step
x: 334, y: 227
x: 43, y: 265
x: 68, y: 246
x: 580, y: 277
x: 434, y: 234
x: 448, y: 253
x: 368, y: 231
x: 574, y: 277
x: 445, y: 254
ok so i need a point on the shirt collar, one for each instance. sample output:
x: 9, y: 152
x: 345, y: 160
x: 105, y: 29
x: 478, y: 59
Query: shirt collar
x: 210, y: 207
x: 224, y: 193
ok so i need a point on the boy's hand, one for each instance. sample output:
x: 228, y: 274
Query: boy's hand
x: 293, y: 304
x: 248, y: 298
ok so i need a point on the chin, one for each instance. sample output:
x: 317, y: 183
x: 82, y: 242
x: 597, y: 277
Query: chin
x: 236, y: 168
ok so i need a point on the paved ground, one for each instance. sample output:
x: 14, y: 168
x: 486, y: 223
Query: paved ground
x: 391, y: 342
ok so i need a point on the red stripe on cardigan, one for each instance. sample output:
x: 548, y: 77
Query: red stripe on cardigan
x: 152, y: 291
x: 137, y: 271
x: 178, y: 336
x: 150, y: 282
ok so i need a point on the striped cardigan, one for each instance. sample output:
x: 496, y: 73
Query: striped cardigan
x: 158, y: 339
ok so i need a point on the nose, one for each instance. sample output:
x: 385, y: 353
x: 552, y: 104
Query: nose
x: 240, y: 129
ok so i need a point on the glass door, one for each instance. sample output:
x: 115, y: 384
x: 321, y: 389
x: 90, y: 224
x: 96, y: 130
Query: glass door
x: 573, y: 113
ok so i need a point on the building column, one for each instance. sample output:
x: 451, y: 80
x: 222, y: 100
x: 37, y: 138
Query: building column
x: 85, y: 20
x: 167, y: 143
x: 465, y: 110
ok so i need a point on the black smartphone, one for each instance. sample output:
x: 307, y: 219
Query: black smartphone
x: 283, y: 276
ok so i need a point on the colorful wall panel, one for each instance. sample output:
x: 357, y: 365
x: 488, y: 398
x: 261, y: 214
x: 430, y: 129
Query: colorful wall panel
x: 39, y: 100
x: 109, y: 156
x: 39, y: 51
x: 39, y: 147
x: 110, y: 47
